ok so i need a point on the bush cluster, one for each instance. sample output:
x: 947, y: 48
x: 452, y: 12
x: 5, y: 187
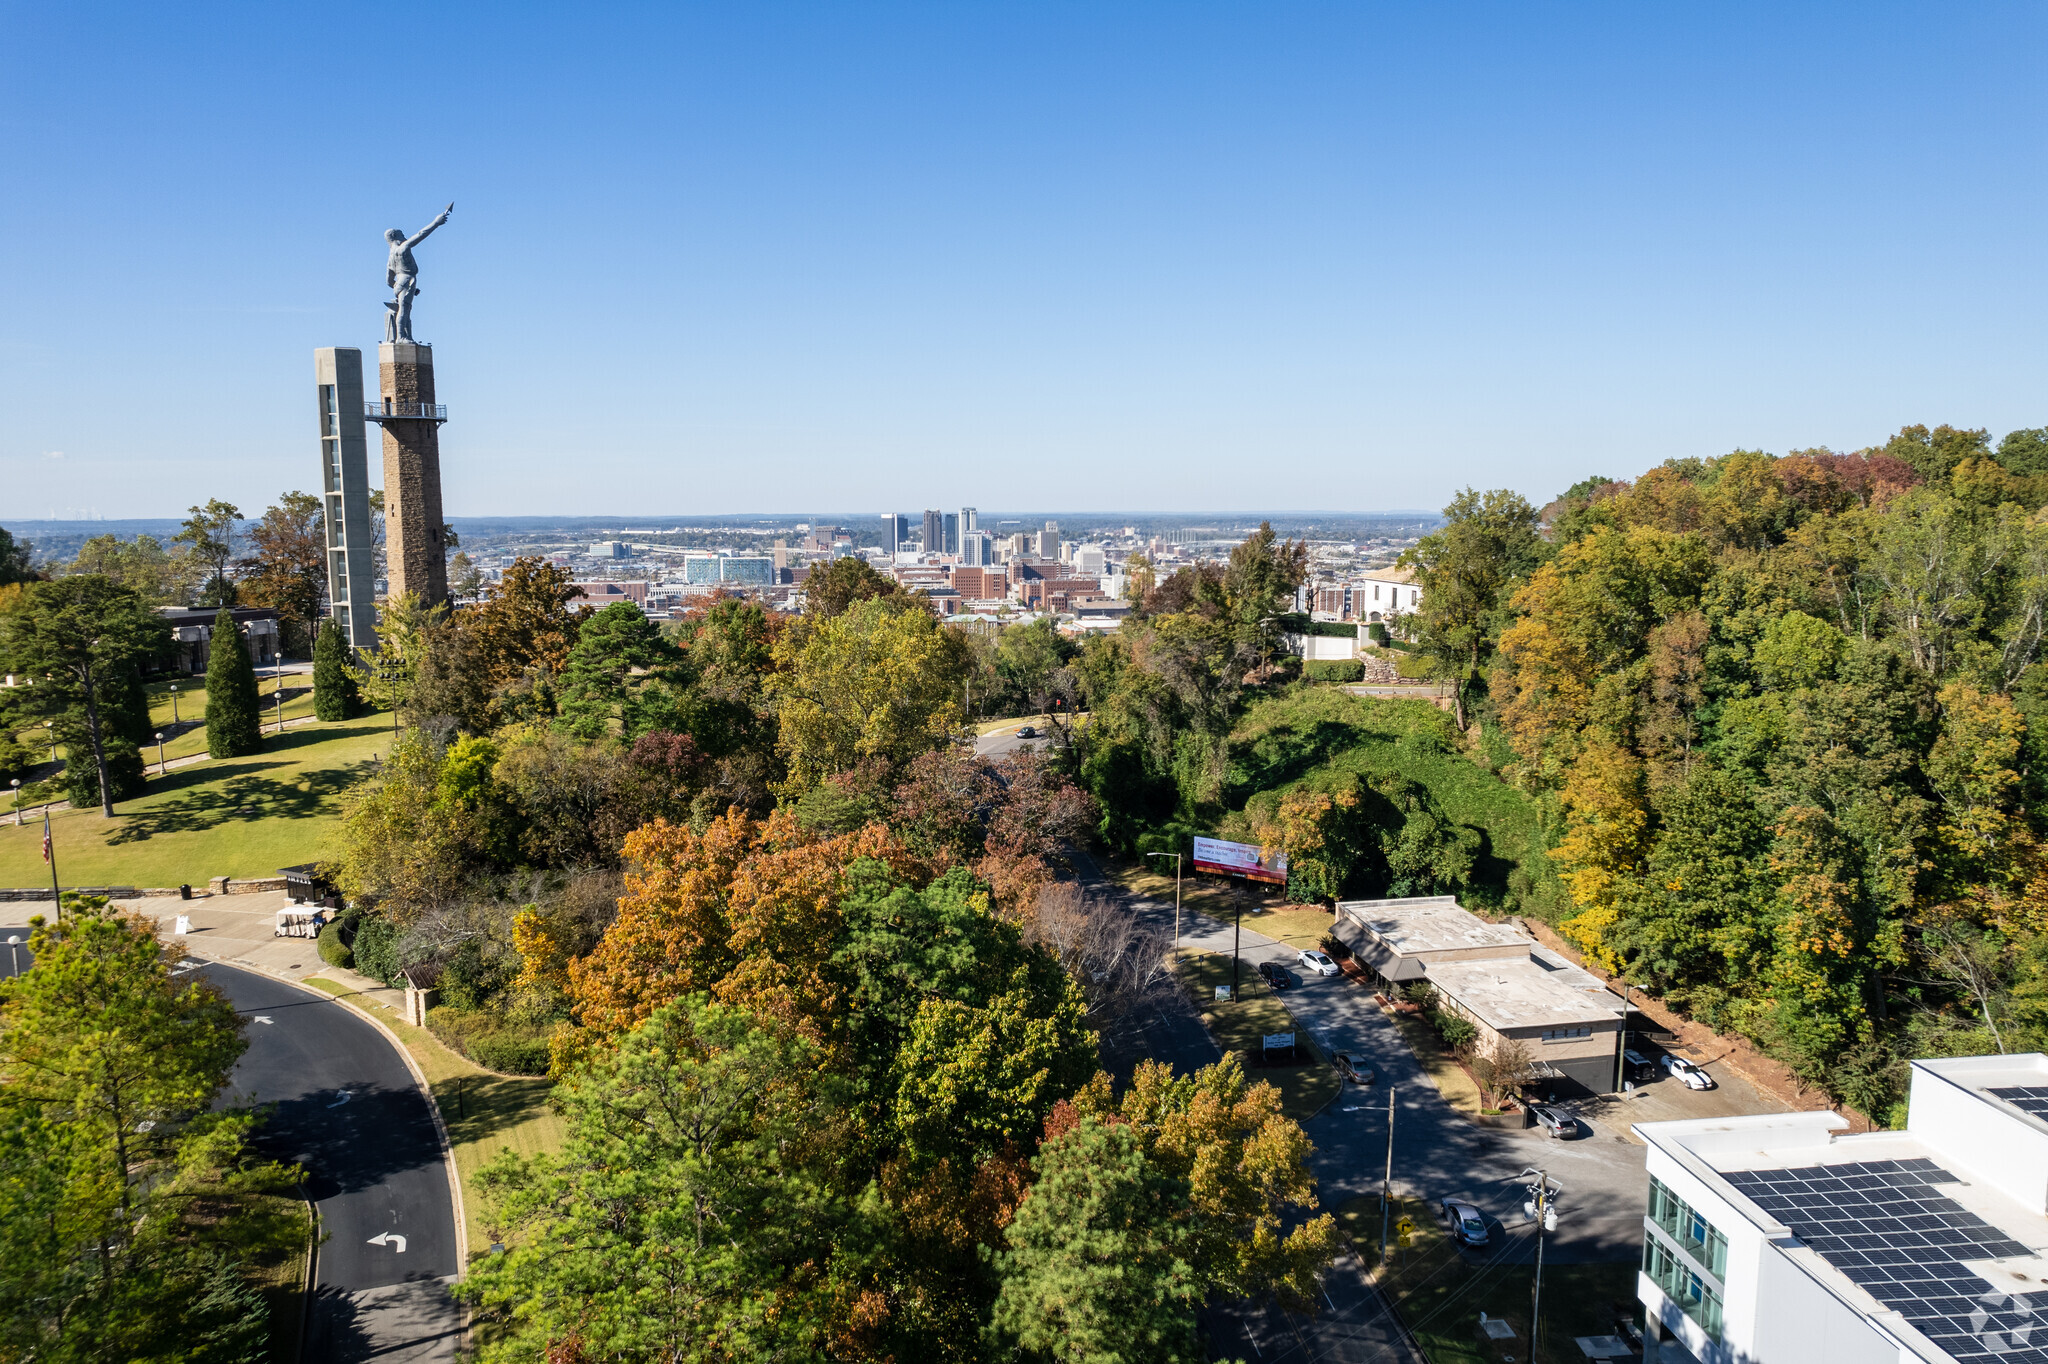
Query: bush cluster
x: 1333, y: 670
x: 334, y: 950
x: 492, y: 1039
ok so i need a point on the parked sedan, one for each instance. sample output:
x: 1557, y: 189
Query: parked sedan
x: 1465, y: 1223
x: 1352, y: 1070
x: 1554, y: 1121
x: 1686, y: 1071
x: 1275, y: 974
x: 1318, y: 962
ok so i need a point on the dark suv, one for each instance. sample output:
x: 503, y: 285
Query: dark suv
x: 1275, y: 974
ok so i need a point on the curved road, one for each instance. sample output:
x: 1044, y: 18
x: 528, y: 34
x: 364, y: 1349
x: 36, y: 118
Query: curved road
x: 373, y: 1166
x: 344, y: 1105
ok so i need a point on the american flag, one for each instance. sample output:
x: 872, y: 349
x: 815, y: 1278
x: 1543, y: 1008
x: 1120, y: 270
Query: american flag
x: 46, y: 835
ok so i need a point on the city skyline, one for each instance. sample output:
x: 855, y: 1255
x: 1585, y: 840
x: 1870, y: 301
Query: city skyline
x: 1148, y: 259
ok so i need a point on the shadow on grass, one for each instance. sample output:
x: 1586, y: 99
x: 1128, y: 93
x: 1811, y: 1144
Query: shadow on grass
x: 478, y: 1107
x: 206, y: 798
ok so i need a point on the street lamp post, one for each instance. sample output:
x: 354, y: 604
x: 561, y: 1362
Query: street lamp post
x: 160, y: 768
x: 1176, y: 900
x: 50, y: 734
x: 15, y: 782
x: 14, y: 954
x: 174, y: 703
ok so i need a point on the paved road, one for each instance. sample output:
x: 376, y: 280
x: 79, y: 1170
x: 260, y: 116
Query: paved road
x: 1438, y: 1153
x: 373, y: 1164
x: 996, y: 744
x: 343, y: 1104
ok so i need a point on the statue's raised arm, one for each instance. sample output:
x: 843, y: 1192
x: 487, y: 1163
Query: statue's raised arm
x: 416, y: 238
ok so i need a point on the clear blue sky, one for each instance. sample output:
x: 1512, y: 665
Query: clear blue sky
x: 1176, y: 256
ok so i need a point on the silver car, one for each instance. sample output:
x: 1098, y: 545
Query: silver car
x: 1465, y: 1223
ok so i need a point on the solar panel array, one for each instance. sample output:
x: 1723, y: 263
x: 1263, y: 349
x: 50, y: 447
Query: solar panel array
x: 2026, y: 1098
x: 1882, y: 1224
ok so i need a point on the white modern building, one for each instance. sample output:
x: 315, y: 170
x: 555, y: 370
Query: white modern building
x: 1782, y: 1239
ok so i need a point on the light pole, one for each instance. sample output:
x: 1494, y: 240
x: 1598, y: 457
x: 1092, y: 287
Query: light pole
x: 1176, y: 900
x: 174, y: 703
x: 1542, y: 1207
x: 160, y: 768
x: 1387, y: 1183
x: 14, y: 954
x: 50, y: 734
x: 1621, y: 1050
x: 15, y: 782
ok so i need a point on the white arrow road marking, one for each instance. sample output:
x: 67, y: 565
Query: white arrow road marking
x: 261, y: 1019
x: 391, y: 1238
x: 340, y: 1101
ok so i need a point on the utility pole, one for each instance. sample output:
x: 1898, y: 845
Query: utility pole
x: 1542, y: 1205
x: 1387, y: 1184
x: 1621, y: 1049
x: 1176, y: 901
x: 1236, y: 937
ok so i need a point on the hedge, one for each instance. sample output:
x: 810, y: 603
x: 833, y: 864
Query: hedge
x: 333, y: 950
x: 492, y: 1040
x: 1333, y: 670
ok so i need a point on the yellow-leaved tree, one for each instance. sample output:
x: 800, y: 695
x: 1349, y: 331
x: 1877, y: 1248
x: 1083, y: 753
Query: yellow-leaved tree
x: 1607, y: 828
x: 881, y: 681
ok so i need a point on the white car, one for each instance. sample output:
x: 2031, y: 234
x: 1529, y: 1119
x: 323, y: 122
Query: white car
x: 1318, y: 962
x: 1690, y: 1074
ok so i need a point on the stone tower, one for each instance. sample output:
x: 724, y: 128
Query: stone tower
x: 415, y: 549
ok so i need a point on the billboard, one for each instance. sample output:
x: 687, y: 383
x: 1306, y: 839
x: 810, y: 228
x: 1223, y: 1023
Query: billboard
x: 1240, y: 859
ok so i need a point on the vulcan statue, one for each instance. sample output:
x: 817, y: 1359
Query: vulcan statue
x: 402, y: 273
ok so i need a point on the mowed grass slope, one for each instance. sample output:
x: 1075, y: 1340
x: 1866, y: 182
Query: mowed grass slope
x: 236, y: 817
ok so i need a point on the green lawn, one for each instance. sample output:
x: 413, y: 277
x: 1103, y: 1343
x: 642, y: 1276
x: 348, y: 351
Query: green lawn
x: 1440, y: 1289
x: 1242, y: 1027
x: 236, y: 817
x: 187, y: 735
x: 486, y: 1113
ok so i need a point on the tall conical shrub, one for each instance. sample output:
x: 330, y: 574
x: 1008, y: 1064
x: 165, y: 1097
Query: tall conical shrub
x: 233, y: 719
x: 334, y: 691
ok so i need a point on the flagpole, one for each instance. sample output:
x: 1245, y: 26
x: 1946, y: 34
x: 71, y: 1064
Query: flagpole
x: 50, y: 856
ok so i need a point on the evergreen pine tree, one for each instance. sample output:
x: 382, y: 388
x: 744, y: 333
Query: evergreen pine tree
x: 233, y: 719
x: 334, y: 691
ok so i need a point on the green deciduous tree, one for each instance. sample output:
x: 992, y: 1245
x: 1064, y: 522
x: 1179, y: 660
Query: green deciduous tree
x: 209, y: 537
x: 141, y: 563
x: 234, y: 722
x: 14, y: 560
x: 1467, y: 571
x: 876, y: 681
x: 131, y: 1213
x: 289, y: 568
x: 80, y: 642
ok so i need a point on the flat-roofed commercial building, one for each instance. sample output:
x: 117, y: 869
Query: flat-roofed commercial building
x: 1782, y: 1237
x: 1499, y: 979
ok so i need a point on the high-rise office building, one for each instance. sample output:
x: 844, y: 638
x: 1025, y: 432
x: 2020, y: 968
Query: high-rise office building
x: 934, y: 532
x: 969, y: 523
x: 952, y: 545
x: 891, y: 542
x: 974, y: 549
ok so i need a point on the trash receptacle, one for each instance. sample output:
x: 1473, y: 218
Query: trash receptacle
x: 185, y: 892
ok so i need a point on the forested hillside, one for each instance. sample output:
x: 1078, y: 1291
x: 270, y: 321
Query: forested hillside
x: 1790, y: 713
